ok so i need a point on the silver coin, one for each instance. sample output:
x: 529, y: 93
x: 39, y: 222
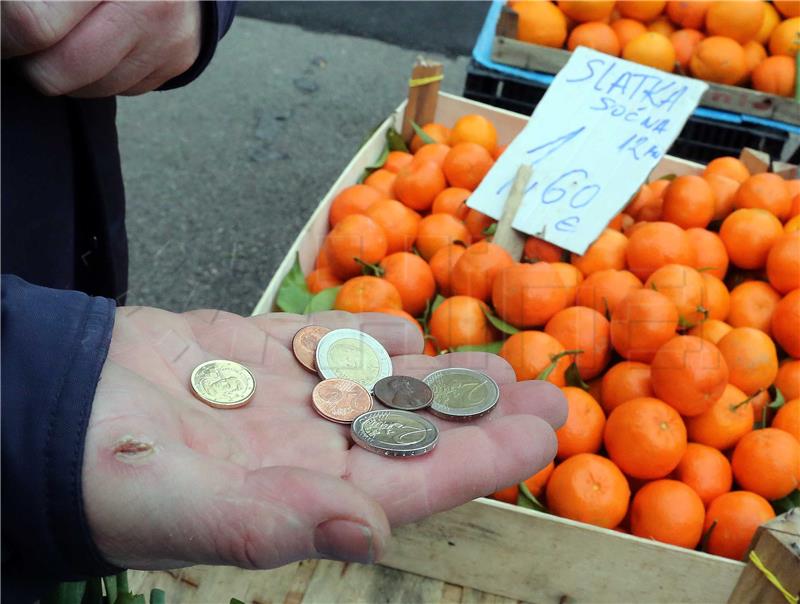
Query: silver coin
x: 403, y: 392
x: 394, y: 432
x: 352, y: 355
x: 462, y: 394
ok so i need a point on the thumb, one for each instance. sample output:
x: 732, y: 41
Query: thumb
x: 280, y: 514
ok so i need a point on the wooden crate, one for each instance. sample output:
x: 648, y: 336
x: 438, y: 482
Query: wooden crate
x: 507, y: 550
x: 510, y: 51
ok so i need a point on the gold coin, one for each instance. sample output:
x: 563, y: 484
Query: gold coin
x: 223, y: 384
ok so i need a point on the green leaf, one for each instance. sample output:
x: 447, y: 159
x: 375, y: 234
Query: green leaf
x: 122, y: 582
x: 376, y: 165
x: 554, y: 358
x: 573, y: 377
x: 126, y: 597
x: 437, y: 301
x: 94, y: 591
x: 703, y: 546
x: 236, y: 601
x: 395, y: 141
x: 490, y: 230
x: 499, y: 323
x: 323, y: 300
x: 158, y: 596
x: 526, y: 497
x: 371, y: 270
x: 683, y: 323
x: 667, y: 177
x: 68, y: 592
x: 493, y: 347
x: 778, y: 400
x: 427, y: 139
x: 110, y: 583
x: 293, y: 295
x: 792, y: 500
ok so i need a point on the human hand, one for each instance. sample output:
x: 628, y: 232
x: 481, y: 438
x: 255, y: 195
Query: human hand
x: 169, y: 481
x: 97, y: 49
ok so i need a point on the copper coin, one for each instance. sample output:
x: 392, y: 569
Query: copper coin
x: 341, y: 400
x: 403, y: 392
x: 304, y: 345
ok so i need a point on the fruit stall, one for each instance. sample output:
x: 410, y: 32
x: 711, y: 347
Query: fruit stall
x: 674, y: 337
x: 752, y: 96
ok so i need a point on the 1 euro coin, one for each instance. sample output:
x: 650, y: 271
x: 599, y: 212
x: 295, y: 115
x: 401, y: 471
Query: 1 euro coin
x: 352, y: 355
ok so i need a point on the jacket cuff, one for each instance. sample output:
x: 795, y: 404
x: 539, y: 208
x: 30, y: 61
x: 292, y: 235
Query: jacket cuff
x: 54, y: 345
x: 217, y: 16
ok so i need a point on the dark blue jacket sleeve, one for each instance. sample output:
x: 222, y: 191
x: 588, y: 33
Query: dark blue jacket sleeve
x: 54, y: 344
x: 217, y: 18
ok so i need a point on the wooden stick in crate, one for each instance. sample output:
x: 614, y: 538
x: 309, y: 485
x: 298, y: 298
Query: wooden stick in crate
x: 423, y: 92
x: 505, y: 236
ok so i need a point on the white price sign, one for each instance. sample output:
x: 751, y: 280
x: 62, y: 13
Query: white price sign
x: 600, y: 129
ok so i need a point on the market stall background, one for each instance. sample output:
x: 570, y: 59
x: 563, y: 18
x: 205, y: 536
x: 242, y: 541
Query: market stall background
x: 221, y: 175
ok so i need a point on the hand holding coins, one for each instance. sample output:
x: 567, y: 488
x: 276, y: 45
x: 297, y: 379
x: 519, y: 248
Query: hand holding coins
x: 354, y: 366
x: 157, y: 460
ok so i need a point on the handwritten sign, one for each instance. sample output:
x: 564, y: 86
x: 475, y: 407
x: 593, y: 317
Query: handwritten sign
x: 600, y: 129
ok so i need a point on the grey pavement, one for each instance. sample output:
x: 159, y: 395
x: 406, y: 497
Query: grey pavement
x: 449, y: 27
x: 221, y: 175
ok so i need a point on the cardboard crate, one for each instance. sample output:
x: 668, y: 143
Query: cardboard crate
x: 509, y: 550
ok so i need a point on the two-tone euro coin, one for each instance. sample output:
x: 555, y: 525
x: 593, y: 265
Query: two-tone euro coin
x: 352, y: 355
x: 461, y: 394
x: 394, y: 433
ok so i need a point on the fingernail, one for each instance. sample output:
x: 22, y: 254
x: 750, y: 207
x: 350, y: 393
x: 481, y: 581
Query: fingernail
x: 345, y: 540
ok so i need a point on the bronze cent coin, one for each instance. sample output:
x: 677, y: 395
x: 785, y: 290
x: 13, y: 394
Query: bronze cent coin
x: 340, y: 400
x: 304, y: 345
x: 403, y: 392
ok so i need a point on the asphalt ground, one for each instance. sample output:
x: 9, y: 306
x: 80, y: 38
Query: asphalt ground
x: 221, y: 175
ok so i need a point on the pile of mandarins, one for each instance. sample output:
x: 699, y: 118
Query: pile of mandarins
x: 683, y: 317
x: 731, y: 42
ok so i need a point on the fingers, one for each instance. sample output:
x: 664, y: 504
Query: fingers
x: 419, y: 365
x: 29, y: 27
x: 397, y: 335
x: 535, y: 397
x: 531, y: 397
x: 153, y: 62
x: 92, y: 49
x: 177, y: 506
x: 468, y: 462
x: 119, y: 47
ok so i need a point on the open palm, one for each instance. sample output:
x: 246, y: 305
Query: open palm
x: 169, y: 481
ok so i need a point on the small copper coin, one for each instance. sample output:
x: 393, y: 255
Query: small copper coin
x: 340, y: 400
x: 304, y: 345
x: 403, y: 392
